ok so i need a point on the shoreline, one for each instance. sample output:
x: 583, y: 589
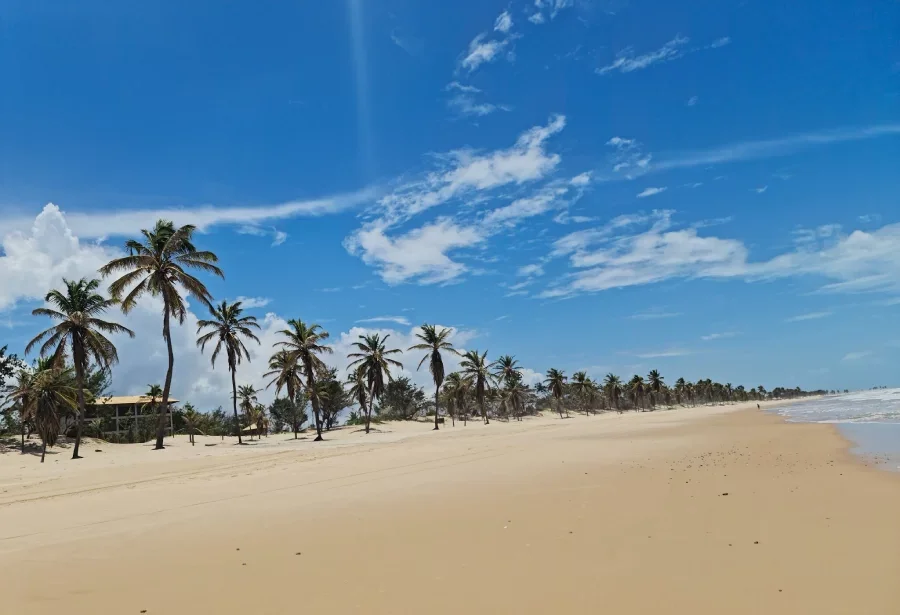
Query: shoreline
x: 624, y: 513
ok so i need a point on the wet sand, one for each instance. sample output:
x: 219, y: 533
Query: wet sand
x: 620, y: 514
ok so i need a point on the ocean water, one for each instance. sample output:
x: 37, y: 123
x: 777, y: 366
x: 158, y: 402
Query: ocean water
x: 869, y: 419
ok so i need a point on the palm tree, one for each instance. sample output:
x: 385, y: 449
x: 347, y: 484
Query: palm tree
x: 18, y: 394
x: 304, y: 345
x: 656, y: 385
x: 592, y: 391
x: 46, y: 398
x: 247, y: 394
x: 285, y: 374
x: 637, y: 389
x: 227, y: 328
x: 359, y: 391
x: 158, y: 267
x: 581, y: 385
x: 192, y: 421
x: 507, y: 369
x: 514, y: 397
x: 680, y: 390
x: 458, y: 387
x: 434, y: 342
x: 476, y: 368
x: 374, y: 360
x: 154, y: 392
x: 613, y: 386
x: 556, y: 384
x: 80, y: 333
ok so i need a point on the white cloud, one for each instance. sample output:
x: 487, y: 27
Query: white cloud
x: 253, y: 302
x: 530, y: 270
x: 459, y: 87
x: 651, y: 192
x: 33, y: 262
x: 504, y: 22
x: 717, y: 336
x: 761, y: 189
x: 627, y: 62
x: 279, y: 237
x: 398, y: 320
x: 856, y: 356
x: 809, y: 316
x: 620, y: 143
x: 482, y: 51
x: 663, y: 354
x: 465, y: 171
x: 692, y: 101
x: 721, y: 42
x: 654, y: 315
x: 121, y: 222
x: 536, y: 18
x: 420, y: 255
x: 767, y: 148
x: 499, y: 318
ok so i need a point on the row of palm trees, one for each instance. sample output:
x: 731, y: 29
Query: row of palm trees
x: 159, y: 266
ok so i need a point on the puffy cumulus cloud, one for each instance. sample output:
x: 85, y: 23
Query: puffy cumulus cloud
x: 35, y: 261
x: 421, y: 254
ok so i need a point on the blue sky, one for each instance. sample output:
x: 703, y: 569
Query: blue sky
x: 705, y: 188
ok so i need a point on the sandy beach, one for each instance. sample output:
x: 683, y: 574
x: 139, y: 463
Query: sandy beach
x: 699, y: 510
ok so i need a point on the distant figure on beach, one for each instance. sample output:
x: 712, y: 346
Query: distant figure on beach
x: 757, y: 406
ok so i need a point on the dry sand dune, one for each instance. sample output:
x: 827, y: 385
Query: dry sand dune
x: 618, y: 514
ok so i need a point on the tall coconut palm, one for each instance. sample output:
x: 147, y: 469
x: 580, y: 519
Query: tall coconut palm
x: 679, y: 390
x: 227, y: 327
x: 637, y: 389
x: 581, y: 384
x: 374, y: 359
x: 157, y: 266
x: 459, y: 387
x: 556, y: 384
x: 285, y: 374
x: 359, y: 391
x: 79, y: 333
x: 591, y: 391
x: 514, y: 397
x: 655, y: 384
x: 477, y: 369
x: 507, y: 369
x: 613, y: 386
x: 434, y: 341
x: 304, y: 345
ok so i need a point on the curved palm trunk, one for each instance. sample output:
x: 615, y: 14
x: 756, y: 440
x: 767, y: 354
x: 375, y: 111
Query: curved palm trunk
x: 43, y: 451
x: 437, y: 389
x: 79, y: 383
x: 161, y: 421
x: 314, y: 399
x: 237, y: 422
x: 559, y: 406
x: 484, y: 415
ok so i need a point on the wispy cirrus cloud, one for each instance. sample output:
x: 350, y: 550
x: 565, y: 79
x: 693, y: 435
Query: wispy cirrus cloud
x: 808, y: 316
x: 651, y: 192
x: 654, y: 315
x: 856, y: 356
x: 120, y: 222
x: 253, y: 302
x: 618, y: 255
x: 718, y: 336
x: 399, y: 320
x: 663, y: 354
x: 627, y: 61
